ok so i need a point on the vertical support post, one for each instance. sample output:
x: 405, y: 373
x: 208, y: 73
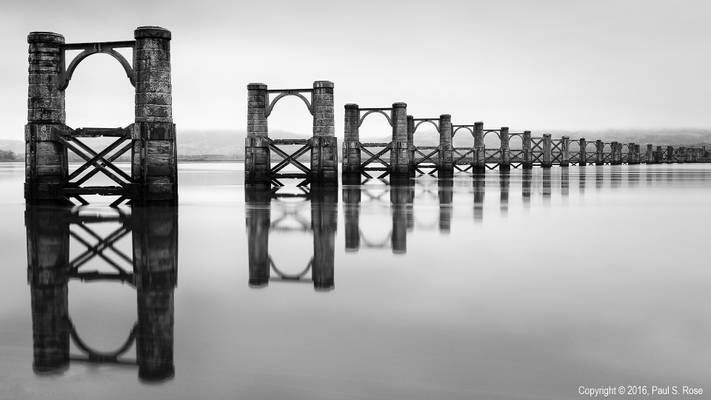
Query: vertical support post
x: 547, y: 151
x: 324, y: 220
x: 564, y: 153
x: 257, y: 161
x: 46, y: 169
x: 258, y: 220
x: 632, y: 153
x: 399, y: 151
x: 479, y: 159
x: 583, y: 156
x: 154, y: 168
x: 324, y: 144
x: 505, y: 163
x: 351, y: 145
x: 411, y: 143
x: 614, y: 152
x: 446, y: 163
x: 599, y: 149
x: 155, y: 264
x: 670, y: 154
x: 526, y: 149
x: 48, y: 272
x: 650, y: 154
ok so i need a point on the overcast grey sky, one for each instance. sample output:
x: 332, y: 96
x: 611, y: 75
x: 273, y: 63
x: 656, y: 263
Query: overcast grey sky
x: 551, y: 64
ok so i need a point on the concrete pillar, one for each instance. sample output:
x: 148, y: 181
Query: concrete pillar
x: 48, y: 272
x: 650, y: 154
x: 324, y: 150
x: 257, y: 162
x: 351, y: 211
x: 583, y: 153
x: 46, y: 168
x: 258, y: 220
x: 479, y: 159
x: 658, y: 155
x: 505, y: 163
x: 324, y: 221
x: 445, y: 193
x: 599, y: 152
x: 399, y: 152
x: 564, y: 152
x: 632, y: 153
x: 411, y: 143
x: 155, y: 165
x: 351, y: 146
x: 526, y: 149
x: 155, y: 264
x: 446, y: 162
x: 615, y: 154
x: 670, y: 154
x: 547, y: 151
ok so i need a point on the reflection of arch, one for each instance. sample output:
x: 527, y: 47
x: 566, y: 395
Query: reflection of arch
x: 153, y: 276
x: 362, y: 117
x: 101, y: 356
x: 290, y: 277
x: 289, y: 93
x: 96, y: 49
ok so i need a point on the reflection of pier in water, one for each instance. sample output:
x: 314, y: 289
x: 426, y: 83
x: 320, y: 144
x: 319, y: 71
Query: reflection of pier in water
x: 261, y: 201
x: 151, y: 270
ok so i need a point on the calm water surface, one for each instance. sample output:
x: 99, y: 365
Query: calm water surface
x: 504, y: 287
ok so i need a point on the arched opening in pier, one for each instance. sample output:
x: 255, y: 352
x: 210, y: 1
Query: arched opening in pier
x: 375, y: 128
x: 492, y: 139
x: 516, y: 142
x: 290, y: 119
x: 463, y: 137
x: 99, y: 95
x: 426, y: 134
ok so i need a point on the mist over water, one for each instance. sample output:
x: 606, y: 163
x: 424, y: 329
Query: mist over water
x: 524, y: 285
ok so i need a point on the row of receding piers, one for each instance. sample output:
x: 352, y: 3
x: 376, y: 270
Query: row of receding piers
x: 401, y: 159
x: 151, y: 139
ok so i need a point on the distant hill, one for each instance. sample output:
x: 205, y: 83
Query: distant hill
x: 229, y: 145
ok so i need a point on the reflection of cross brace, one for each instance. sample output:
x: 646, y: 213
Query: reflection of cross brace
x: 97, y: 250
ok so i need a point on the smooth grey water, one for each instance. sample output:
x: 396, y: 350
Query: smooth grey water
x: 510, y: 287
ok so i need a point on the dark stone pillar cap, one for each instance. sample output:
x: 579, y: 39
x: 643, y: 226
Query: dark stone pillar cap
x: 323, y: 84
x: 446, y: 116
x: 151, y: 32
x: 45, y: 37
x: 257, y: 86
x: 351, y: 106
x: 479, y: 123
x: 399, y: 105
